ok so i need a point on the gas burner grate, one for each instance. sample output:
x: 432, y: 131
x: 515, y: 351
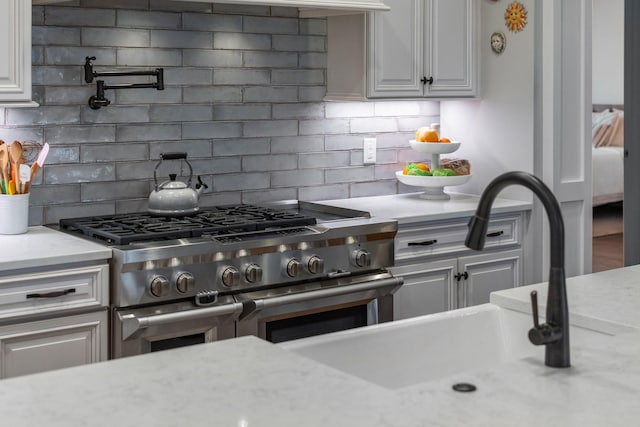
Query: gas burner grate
x: 124, y: 229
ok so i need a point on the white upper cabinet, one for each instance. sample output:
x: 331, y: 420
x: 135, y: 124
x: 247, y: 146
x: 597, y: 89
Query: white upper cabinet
x: 15, y: 53
x: 421, y: 48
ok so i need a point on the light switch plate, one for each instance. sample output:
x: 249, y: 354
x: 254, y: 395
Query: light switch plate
x: 369, y: 151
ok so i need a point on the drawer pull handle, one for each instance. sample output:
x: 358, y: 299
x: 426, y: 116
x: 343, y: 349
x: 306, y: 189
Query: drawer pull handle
x: 53, y: 294
x: 425, y: 243
x: 496, y: 233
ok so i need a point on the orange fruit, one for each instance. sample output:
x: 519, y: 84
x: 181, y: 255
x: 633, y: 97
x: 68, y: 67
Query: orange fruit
x: 405, y: 171
x: 445, y: 140
x: 426, y: 134
x: 422, y: 166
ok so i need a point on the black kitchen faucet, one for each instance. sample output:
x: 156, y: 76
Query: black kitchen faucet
x: 554, y: 334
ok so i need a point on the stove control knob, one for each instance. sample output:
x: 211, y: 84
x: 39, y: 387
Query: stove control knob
x: 185, y: 282
x: 159, y: 286
x: 362, y: 258
x: 230, y: 277
x: 293, y: 268
x: 315, y: 265
x: 253, y: 273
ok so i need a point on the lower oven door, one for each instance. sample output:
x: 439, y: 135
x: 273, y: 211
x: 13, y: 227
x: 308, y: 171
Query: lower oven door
x: 309, y: 309
x: 161, y: 327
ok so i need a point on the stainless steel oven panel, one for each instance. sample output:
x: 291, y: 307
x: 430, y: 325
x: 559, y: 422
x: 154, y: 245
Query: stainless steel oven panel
x: 374, y: 291
x: 134, y: 330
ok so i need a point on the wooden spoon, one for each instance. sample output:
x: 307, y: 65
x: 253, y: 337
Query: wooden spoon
x: 15, y: 155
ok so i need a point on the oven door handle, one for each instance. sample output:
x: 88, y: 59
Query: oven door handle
x: 132, y: 324
x: 393, y: 283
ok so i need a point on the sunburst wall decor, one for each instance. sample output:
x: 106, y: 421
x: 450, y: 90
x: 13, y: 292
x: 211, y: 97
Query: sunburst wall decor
x: 515, y: 16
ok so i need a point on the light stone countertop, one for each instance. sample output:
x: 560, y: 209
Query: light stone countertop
x: 42, y: 246
x: 410, y: 208
x: 248, y: 382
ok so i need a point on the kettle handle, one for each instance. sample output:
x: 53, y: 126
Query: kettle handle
x: 172, y: 156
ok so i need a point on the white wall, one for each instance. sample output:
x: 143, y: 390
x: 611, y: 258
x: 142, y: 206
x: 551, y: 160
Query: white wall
x: 496, y: 131
x: 608, y: 52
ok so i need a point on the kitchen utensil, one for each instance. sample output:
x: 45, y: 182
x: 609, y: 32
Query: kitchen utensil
x: 4, y: 162
x: 15, y: 156
x: 37, y: 165
x: 175, y: 198
x: 25, y: 177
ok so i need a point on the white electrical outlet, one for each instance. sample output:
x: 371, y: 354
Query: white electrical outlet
x: 369, y: 151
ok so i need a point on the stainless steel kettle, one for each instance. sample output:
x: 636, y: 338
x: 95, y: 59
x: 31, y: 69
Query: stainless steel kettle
x: 175, y: 198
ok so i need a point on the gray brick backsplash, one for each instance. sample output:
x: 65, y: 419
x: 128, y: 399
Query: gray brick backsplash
x: 253, y: 24
x: 115, y: 37
x: 43, y: 115
x: 208, y: 22
x: 270, y: 59
x: 313, y: 26
x: 350, y: 174
x: 297, y: 178
x: 100, y: 191
x: 271, y: 94
x: 241, y: 112
x: 324, y: 192
x: 209, y: 95
x: 297, y: 77
x: 360, y: 125
x: 56, y: 76
x: 183, y: 39
x: 69, y: 174
x: 320, y: 127
x: 275, y: 162
x: 149, y: 132
x: 92, y: 153
x: 148, y: 19
x: 211, y: 130
x: 72, y: 55
x: 238, y: 182
x: 80, y: 134
x: 212, y: 58
x: 53, y: 35
x: 244, y: 98
x: 180, y: 113
x: 238, y: 147
x: 297, y: 144
x: 323, y: 160
x: 194, y: 149
x: 73, y: 16
x: 114, y: 114
x: 241, y: 41
x: 298, y: 111
x: 298, y: 43
x: 271, y: 128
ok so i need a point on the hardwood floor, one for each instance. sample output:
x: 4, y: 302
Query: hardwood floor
x: 607, y: 244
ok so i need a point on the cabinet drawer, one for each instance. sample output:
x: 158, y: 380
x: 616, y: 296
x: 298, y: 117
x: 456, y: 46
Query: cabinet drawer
x: 447, y: 237
x: 54, y: 291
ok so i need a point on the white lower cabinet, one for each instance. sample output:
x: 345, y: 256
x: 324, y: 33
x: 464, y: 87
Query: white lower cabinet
x: 441, y: 274
x: 27, y: 348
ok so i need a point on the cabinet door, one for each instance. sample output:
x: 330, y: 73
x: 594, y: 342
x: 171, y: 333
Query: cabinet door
x: 395, y: 51
x: 487, y: 273
x: 27, y: 348
x: 15, y: 53
x: 450, y: 50
x: 428, y: 288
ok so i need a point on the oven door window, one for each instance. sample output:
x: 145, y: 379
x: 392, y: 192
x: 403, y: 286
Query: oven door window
x: 309, y: 325
x: 177, y: 342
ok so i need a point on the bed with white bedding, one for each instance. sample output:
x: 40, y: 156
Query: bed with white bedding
x: 607, y: 154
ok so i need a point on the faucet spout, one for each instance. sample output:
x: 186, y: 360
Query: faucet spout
x: 554, y: 334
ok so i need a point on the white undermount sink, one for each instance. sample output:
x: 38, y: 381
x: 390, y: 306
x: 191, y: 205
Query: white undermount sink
x: 411, y: 351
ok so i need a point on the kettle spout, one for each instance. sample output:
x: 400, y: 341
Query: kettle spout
x: 200, y: 186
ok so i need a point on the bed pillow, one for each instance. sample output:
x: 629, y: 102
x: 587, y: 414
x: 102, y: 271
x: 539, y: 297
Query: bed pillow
x: 607, y: 129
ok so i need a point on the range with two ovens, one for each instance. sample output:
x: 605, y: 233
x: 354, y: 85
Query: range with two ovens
x: 281, y: 272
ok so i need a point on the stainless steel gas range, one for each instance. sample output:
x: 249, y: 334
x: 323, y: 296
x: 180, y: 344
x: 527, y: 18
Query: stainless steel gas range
x: 280, y: 272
